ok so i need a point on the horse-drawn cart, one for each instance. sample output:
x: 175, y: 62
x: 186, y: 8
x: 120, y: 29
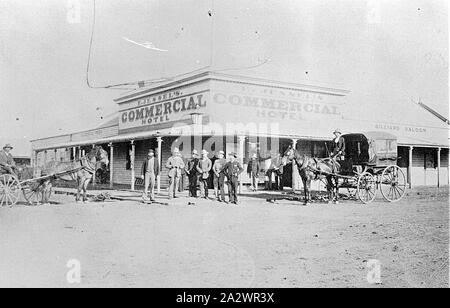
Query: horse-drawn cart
x: 38, y: 188
x: 34, y: 189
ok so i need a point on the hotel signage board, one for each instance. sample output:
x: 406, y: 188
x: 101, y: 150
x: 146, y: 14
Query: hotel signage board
x: 163, y: 109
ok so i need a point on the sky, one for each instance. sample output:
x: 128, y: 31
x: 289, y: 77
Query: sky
x: 387, y: 53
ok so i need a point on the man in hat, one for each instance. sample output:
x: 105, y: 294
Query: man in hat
x: 338, y: 152
x: 7, y: 163
x: 175, y: 164
x: 150, y: 170
x: 232, y: 170
x: 219, y: 176
x: 192, y: 173
x: 253, y: 171
x: 203, y: 167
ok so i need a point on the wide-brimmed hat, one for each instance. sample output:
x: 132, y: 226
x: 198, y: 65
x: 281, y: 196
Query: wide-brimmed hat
x: 8, y: 146
x: 151, y: 152
x: 194, y: 152
x: 337, y: 130
x: 233, y: 154
x: 221, y: 153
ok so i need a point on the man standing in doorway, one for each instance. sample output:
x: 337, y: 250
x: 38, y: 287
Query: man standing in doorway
x: 219, y: 176
x: 204, y: 166
x: 253, y: 171
x: 232, y: 170
x: 192, y: 173
x: 150, y: 170
x: 175, y: 164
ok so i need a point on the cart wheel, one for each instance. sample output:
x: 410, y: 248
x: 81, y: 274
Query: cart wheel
x: 393, y: 184
x: 9, y: 190
x: 32, y: 193
x: 366, y: 188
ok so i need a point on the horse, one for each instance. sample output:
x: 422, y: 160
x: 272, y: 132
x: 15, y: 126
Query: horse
x: 313, y: 169
x: 82, y: 169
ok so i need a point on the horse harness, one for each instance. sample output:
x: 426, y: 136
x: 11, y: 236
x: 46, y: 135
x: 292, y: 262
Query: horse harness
x: 317, y: 172
x: 85, y: 165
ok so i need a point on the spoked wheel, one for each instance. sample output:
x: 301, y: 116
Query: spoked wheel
x: 33, y: 193
x: 366, y: 188
x: 9, y: 190
x: 393, y: 184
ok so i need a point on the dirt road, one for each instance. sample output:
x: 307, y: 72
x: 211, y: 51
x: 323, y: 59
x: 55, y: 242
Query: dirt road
x: 256, y: 244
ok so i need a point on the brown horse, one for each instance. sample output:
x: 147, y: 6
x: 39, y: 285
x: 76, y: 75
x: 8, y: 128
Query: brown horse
x: 313, y: 169
x: 83, y: 171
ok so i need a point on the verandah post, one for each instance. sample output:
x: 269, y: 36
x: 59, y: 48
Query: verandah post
x: 294, y: 167
x: 111, y: 165
x: 159, y: 150
x: 132, y: 154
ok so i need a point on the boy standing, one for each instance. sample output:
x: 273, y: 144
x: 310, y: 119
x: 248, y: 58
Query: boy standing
x: 253, y: 171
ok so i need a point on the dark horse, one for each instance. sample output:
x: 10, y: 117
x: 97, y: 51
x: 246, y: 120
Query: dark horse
x: 312, y: 169
x: 82, y: 171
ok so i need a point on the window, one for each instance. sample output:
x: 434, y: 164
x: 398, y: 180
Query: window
x: 403, y: 156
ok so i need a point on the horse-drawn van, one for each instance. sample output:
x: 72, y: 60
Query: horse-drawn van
x: 370, y: 164
x: 372, y: 157
x: 371, y: 150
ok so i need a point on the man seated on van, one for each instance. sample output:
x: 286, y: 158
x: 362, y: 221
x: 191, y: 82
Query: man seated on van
x: 338, y: 153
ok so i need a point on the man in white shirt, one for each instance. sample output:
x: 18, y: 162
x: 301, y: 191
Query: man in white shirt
x: 150, y: 170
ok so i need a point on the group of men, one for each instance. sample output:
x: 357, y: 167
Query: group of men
x: 198, y: 170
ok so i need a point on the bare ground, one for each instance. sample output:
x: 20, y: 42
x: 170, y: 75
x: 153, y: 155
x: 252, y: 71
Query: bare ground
x: 256, y: 244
